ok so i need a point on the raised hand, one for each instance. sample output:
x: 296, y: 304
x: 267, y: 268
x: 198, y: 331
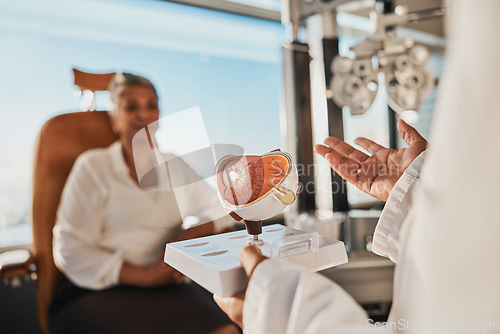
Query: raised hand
x: 377, y: 174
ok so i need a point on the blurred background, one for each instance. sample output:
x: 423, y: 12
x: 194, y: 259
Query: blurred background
x: 223, y: 56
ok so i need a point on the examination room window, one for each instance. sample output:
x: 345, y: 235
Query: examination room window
x: 226, y: 64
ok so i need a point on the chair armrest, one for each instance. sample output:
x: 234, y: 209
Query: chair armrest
x: 16, y: 264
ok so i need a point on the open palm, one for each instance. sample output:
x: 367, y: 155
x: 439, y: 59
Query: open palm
x: 377, y: 174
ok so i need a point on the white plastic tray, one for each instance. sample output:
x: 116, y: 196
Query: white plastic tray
x: 213, y: 261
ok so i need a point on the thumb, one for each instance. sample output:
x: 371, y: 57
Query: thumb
x: 408, y: 133
x: 250, y: 257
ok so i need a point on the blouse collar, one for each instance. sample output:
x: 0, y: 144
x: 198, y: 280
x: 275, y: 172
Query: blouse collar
x: 117, y: 158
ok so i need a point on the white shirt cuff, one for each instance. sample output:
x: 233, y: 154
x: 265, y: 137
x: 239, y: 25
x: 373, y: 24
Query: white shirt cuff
x: 386, y: 236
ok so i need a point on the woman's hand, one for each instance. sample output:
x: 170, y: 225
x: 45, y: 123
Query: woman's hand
x: 377, y: 174
x: 250, y: 258
x: 160, y: 273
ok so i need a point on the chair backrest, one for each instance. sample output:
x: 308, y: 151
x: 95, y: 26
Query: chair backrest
x: 92, y: 81
x: 60, y: 141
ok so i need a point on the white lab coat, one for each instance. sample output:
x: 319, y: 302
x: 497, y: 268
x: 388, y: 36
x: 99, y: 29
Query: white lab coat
x: 447, y: 276
x: 286, y: 299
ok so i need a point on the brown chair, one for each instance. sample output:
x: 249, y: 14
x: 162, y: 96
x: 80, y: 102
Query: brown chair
x: 60, y: 141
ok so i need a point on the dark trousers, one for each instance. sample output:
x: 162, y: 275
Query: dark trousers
x: 175, y: 308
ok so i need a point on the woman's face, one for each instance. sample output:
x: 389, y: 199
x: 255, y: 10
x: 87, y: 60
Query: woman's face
x: 137, y: 107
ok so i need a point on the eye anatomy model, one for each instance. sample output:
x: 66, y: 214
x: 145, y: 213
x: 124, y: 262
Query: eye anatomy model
x: 254, y: 188
x: 242, y: 180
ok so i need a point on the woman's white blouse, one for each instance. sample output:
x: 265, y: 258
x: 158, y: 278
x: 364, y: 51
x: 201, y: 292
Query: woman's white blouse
x: 105, y: 218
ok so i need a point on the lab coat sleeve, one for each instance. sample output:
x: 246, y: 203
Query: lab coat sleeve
x: 195, y: 197
x: 77, y: 231
x: 284, y: 298
x: 386, y: 236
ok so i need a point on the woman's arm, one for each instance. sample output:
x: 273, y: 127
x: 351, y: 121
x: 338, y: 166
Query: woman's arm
x: 78, y: 228
x: 160, y: 273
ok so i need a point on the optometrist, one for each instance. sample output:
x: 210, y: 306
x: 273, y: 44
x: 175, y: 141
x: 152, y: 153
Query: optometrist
x: 440, y: 225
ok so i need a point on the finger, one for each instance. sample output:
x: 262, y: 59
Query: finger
x: 409, y: 134
x: 219, y: 300
x: 232, y: 306
x: 223, y: 302
x: 345, y: 167
x: 250, y: 258
x: 368, y: 145
x: 345, y: 149
x: 322, y: 150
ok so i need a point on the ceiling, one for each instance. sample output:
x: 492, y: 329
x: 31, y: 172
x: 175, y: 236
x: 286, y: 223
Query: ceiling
x: 270, y: 9
x: 433, y: 26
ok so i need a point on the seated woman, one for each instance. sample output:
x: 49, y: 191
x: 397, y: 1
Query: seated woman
x: 110, y: 235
